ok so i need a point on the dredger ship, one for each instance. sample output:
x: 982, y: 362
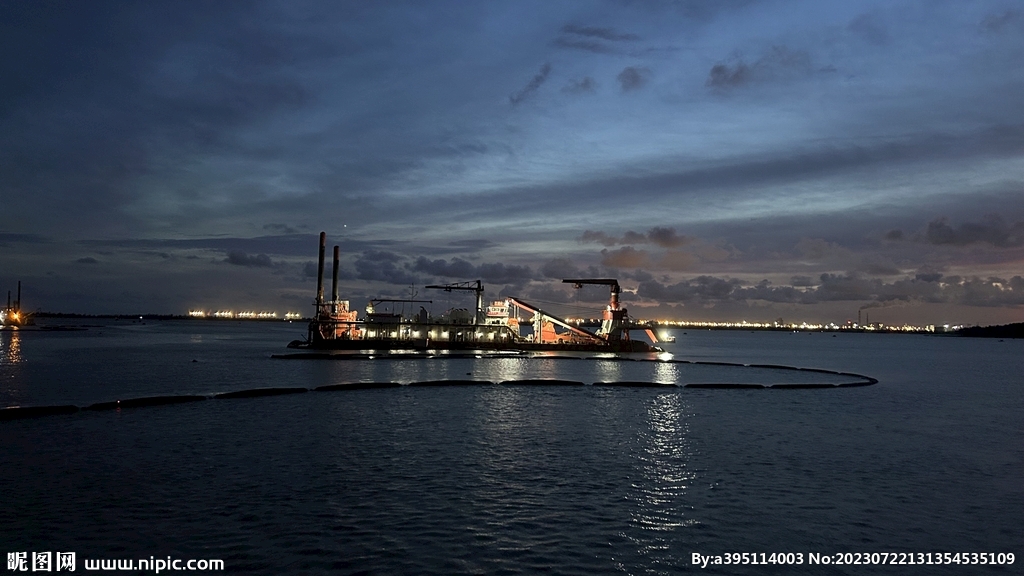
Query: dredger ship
x: 499, y: 326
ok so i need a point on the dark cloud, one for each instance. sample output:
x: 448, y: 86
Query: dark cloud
x: 309, y: 269
x: 564, y: 268
x: 870, y: 28
x: 540, y: 293
x: 602, y: 33
x: 592, y: 39
x: 494, y: 272
x: 843, y: 287
x: 676, y: 260
x: 625, y: 257
x: 631, y: 237
x: 9, y: 238
x: 725, y: 76
x: 473, y: 245
x: 87, y: 260
x: 585, y: 45
x: 660, y: 236
x: 701, y: 288
x: 778, y: 63
x: 993, y: 231
x: 629, y: 257
x: 455, y: 268
x: 580, y: 85
x: 1002, y: 21
x: 282, y: 245
x: 638, y: 275
x: 974, y: 291
x: 282, y: 228
x: 894, y: 235
x: 599, y: 237
x: 633, y: 78
x: 667, y: 237
x: 240, y: 258
x: 498, y: 273
x: 383, y: 266
x: 992, y: 291
x: 766, y: 292
x: 532, y: 86
x: 876, y: 267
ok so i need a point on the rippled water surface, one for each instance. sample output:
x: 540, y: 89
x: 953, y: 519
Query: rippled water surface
x: 511, y: 479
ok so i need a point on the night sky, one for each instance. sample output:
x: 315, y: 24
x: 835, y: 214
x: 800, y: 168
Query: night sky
x: 724, y: 159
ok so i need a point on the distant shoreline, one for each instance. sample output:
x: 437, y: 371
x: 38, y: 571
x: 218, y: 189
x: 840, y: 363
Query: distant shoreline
x: 1000, y: 331
x: 74, y: 315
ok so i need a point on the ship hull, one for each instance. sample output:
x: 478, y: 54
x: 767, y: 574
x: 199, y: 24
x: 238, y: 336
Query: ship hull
x: 624, y: 346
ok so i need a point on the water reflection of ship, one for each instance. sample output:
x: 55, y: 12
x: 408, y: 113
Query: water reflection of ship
x: 10, y: 347
x: 499, y: 326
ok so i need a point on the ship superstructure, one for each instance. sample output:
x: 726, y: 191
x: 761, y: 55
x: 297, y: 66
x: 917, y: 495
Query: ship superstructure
x: 506, y: 324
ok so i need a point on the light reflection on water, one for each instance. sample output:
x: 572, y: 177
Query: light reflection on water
x: 12, y: 389
x: 508, y: 479
x: 609, y: 371
x: 659, y: 495
x: 507, y: 369
x: 10, y: 347
x: 665, y: 373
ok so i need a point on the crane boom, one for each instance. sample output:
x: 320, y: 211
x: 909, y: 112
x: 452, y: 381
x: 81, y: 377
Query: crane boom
x: 474, y: 285
x: 615, y: 289
x: 555, y: 319
x: 613, y: 321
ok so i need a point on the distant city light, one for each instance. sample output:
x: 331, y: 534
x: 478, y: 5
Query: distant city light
x: 244, y: 314
x: 796, y: 326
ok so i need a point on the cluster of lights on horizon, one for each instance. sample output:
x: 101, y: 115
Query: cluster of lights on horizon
x: 244, y: 315
x: 743, y: 324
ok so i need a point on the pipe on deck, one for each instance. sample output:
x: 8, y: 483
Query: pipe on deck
x: 334, y: 283
x: 320, y: 271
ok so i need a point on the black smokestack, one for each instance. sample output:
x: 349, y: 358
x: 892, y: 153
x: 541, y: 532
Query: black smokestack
x: 19, y: 296
x: 320, y: 270
x: 334, y: 284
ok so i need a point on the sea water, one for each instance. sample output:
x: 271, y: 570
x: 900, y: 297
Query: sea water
x: 512, y: 479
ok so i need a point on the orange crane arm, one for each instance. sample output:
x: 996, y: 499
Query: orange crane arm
x: 554, y: 319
